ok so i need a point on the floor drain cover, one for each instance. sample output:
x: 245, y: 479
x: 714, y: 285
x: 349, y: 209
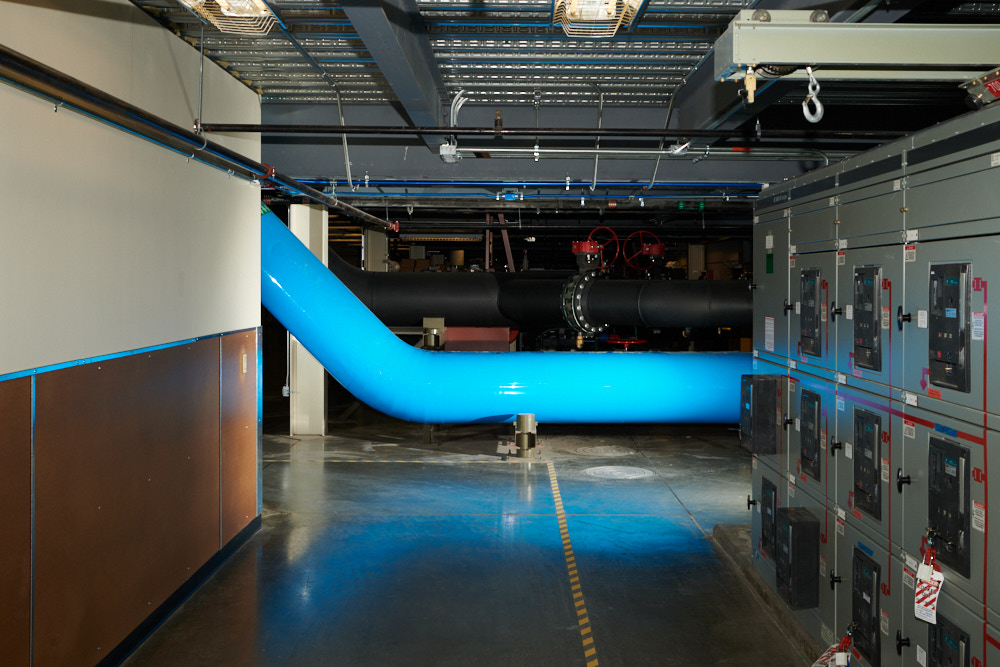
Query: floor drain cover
x: 603, y: 450
x: 618, y: 472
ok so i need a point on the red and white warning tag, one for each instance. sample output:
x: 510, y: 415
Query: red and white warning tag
x: 838, y: 655
x: 833, y: 657
x: 928, y: 588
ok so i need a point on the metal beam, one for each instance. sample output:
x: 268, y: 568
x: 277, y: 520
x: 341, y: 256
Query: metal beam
x: 394, y: 34
x: 854, y: 51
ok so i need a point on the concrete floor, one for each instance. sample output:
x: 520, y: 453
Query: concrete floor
x: 380, y: 549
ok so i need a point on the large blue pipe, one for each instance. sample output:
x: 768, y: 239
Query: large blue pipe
x: 459, y: 387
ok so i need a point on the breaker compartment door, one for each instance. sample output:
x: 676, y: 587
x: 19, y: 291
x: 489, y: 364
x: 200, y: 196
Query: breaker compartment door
x: 948, y: 325
x: 865, y: 606
x: 867, y: 462
x: 948, y: 508
x: 768, y: 516
x: 947, y: 644
x: 809, y: 437
x: 811, y: 316
x: 867, y: 317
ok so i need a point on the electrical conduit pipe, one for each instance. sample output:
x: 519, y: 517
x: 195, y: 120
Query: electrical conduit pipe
x: 461, y: 387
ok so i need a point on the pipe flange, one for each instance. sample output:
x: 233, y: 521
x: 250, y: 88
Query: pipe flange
x: 574, y: 302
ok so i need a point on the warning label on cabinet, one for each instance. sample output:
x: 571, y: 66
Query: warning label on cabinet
x: 909, y: 429
x: 910, y: 253
x: 979, y: 516
x: 978, y: 326
x: 769, y: 334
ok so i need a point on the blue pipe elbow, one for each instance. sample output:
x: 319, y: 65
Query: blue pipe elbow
x: 488, y: 387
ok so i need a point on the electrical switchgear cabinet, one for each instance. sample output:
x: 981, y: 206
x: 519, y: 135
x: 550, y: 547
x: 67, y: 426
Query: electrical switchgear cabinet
x: 867, y: 312
x: 771, y: 446
x: 869, y: 347
x: 867, y: 462
x: 812, y: 304
x: 797, y: 557
x: 811, y: 434
x: 943, y: 319
x: 770, y: 293
x: 941, y: 482
x: 813, y: 287
x: 948, y: 507
x: 865, y: 608
x: 922, y: 644
x: 812, y: 409
x: 761, y: 413
x: 864, y: 456
x: 869, y: 593
x: 766, y: 498
x: 879, y: 319
x: 951, y: 171
x: 948, y: 645
x: 948, y: 325
x: 768, y: 516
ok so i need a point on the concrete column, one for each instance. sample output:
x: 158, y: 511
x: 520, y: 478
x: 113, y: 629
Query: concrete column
x: 376, y: 251
x: 696, y: 260
x: 310, y: 224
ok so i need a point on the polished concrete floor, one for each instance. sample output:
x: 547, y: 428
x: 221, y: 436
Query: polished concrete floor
x: 379, y: 547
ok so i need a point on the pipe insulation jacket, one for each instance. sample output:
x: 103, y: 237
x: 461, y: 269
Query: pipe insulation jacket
x: 533, y: 299
x: 461, y: 387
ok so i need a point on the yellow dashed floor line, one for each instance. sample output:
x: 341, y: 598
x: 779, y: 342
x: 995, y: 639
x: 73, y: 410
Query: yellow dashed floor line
x: 583, y: 619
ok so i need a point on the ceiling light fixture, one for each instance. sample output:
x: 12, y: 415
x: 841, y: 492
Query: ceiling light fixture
x: 595, y: 18
x: 241, y: 17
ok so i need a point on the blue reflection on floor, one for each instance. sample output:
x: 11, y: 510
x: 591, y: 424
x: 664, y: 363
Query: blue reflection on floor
x: 455, y: 558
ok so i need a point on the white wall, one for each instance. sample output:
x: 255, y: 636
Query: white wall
x: 109, y: 243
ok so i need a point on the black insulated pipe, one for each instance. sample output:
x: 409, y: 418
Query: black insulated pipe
x: 671, y: 303
x: 534, y: 299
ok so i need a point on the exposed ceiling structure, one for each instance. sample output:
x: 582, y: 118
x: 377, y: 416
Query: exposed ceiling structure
x: 500, y: 69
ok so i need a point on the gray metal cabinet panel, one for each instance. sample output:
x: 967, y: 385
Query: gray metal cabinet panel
x: 770, y: 260
x: 959, y: 192
x: 869, y: 317
x: 813, y: 285
x: 956, y: 618
x: 889, y: 591
x: 918, y: 375
x: 779, y: 460
x: 812, y: 405
x: 875, y: 209
x: 865, y: 461
x: 920, y: 430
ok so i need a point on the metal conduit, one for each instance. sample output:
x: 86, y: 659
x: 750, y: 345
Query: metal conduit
x: 533, y: 299
x: 487, y: 387
x: 675, y: 133
x: 21, y: 71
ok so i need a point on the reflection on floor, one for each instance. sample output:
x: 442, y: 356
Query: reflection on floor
x: 380, y: 548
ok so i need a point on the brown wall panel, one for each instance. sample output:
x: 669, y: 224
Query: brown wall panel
x: 15, y: 529
x: 126, y: 494
x: 239, y: 433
